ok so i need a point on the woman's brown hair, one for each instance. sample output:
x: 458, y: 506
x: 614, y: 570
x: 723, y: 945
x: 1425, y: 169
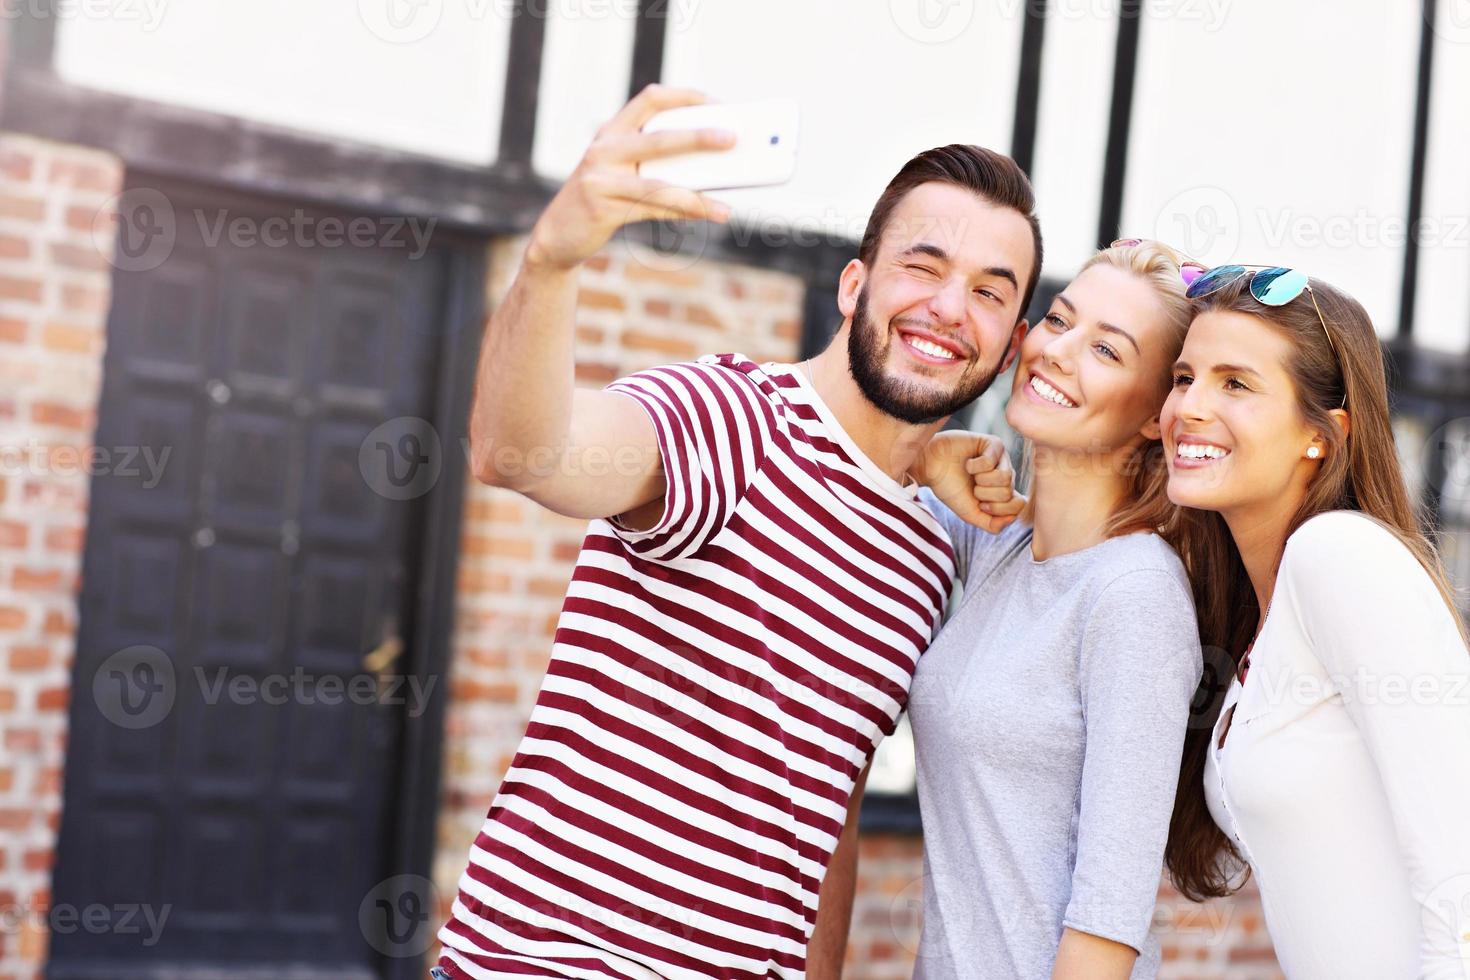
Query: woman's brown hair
x: 1361, y: 472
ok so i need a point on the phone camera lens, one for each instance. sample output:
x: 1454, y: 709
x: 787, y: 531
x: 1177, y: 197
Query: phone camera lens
x: 775, y: 139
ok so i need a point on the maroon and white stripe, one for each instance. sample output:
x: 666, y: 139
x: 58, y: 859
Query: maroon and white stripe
x: 716, y: 685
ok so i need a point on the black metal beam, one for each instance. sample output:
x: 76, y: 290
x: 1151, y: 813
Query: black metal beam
x: 1120, y: 121
x: 522, y: 84
x: 32, y: 41
x: 1028, y: 84
x: 1408, y: 294
x: 650, y: 33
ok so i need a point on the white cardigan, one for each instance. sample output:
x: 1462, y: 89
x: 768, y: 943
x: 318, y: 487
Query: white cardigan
x: 1345, y: 776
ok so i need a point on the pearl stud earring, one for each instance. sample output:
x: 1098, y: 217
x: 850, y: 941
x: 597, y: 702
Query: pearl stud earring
x: 1313, y: 452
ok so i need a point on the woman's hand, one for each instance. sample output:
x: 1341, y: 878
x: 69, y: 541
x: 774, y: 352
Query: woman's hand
x: 971, y: 474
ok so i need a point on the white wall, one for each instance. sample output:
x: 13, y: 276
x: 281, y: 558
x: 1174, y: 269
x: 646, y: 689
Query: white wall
x: 585, y: 70
x: 878, y: 82
x: 1072, y: 129
x: 429, y: 81
x: 1442, y: 311
x: 1282, y: 134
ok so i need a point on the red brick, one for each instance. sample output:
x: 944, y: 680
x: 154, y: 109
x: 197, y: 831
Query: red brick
x: 658, y: 307
x: 26, y: 579
x: 83, y: 299
x: 638, y: 272
x: 13, y: 534
x: 14, y: 818
x: 22, y: 208
x: 70, y: 339
x: 598, y: 263
x: 84, y: 175
x: 58, y: 623
x: 14, y: 247
x: 17, y: 165
x: 12, y: 618
x: 29, y: 657
x: 494, y: 659
x: 674, y: 346
x: 53, y: 699
x: 502, y: 547
x: 600, y: 299
x: 598, y: 374
x: 12, y: 331
x: 48, y: 782
x: 21, y: 288
x: 502, y: 693
x: 83, y: 257
x: 81, y: 218
x: 479, y: 581
x: 62, y: 416
x: 67, y: 540
x: 550, y: 588
x: 566, y: 551
x: 703, y: 316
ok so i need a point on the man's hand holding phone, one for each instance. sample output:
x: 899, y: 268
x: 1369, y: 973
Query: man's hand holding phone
x: 606, y: 191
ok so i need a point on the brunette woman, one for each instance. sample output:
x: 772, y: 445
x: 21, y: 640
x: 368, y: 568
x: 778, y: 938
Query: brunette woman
x: 1339, y: 767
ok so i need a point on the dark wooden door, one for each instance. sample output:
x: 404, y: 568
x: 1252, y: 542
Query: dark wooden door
x: 234, y: 760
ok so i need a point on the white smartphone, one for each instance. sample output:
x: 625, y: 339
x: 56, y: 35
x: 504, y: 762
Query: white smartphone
x: 764, y: 152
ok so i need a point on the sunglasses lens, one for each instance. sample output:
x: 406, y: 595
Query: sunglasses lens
x: 1278, y: 286
x: 1216, y: 278
x: 1191, y: 273
x: 1125, y: 242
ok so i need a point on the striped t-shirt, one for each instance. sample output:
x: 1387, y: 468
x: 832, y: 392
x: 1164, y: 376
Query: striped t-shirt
x: 716, y: 685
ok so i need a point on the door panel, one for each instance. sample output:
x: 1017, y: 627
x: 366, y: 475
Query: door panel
x: 221, y: 764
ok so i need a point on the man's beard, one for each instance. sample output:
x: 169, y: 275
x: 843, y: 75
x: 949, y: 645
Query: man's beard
x: 867, y: 350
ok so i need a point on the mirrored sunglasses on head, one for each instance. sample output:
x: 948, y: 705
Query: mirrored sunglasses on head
x: 1270, y: 285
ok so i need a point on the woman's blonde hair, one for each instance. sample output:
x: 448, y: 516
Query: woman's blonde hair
x: 1195, y: 843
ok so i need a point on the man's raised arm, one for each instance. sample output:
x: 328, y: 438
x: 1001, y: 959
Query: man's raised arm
x: 578, y: 452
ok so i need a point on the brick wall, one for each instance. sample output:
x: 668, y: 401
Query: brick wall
x: 517, y: 558
x: 54, y: 295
